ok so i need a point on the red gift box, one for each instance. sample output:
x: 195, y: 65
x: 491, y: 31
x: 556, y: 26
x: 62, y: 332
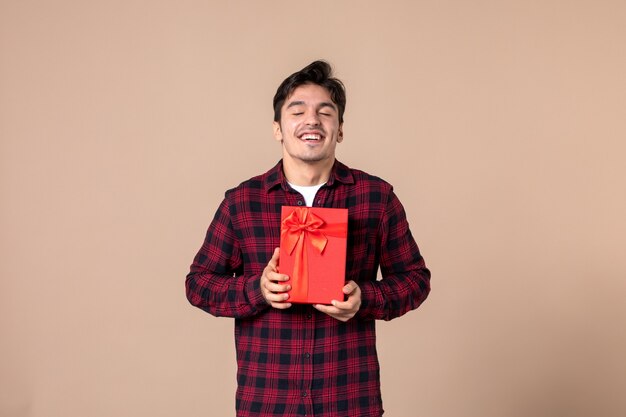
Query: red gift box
x: 313, y: 243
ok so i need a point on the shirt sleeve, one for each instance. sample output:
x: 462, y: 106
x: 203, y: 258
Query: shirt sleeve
x: 405, y: 280
x: 215, y: 282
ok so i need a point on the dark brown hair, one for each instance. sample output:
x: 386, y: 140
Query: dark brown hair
x: 317, y: 72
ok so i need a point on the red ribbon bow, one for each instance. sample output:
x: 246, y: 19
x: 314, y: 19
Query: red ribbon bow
x: 302, y: 225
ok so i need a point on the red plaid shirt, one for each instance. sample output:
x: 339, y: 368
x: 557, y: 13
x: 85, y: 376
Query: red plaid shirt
x: 299, y: 361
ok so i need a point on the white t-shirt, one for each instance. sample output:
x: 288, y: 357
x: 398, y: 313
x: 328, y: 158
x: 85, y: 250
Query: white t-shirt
x: 308, y: 192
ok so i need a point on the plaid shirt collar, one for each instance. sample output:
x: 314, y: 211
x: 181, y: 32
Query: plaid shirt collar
x: 276, y: 177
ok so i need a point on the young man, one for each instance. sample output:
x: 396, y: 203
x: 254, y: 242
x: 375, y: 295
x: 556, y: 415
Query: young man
x: 299, y: 359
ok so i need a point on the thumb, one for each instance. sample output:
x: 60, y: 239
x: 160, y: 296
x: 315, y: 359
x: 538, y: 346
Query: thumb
x: 350, y: 287
x: 275, y: 256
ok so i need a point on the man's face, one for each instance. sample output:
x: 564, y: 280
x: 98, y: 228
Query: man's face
x: 309, y: 128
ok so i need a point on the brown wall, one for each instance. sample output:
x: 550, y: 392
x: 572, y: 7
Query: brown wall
x: 500, y: 123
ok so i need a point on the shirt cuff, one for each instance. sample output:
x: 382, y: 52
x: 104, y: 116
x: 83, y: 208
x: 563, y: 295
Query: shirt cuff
x: 254, y: 294
x: 372, y: 301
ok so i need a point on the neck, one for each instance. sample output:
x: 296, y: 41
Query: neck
x: 307, y: 173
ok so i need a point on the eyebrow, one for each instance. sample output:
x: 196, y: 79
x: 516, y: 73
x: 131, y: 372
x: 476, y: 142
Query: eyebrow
x: 321, y: 105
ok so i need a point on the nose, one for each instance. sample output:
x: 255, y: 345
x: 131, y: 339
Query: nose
x: 312, y: 118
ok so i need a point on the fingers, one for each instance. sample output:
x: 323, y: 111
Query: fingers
x: 280, y: 305
x: 274, y: 275
x: 350, y: 305
x: 275, y: 281
x: 344, y: 310
x: 335, y: 312
x: 330, y: 310
x: 276, y: 294
x: 272, y: 284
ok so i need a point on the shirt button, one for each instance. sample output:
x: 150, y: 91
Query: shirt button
x: 308, y: 316
x: 304, y: 394
x: 299, y: 203
x: 307, y: 355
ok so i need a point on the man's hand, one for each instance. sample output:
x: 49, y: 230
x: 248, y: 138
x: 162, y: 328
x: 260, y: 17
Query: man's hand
x: 271, y: 287
x: 344, y: 310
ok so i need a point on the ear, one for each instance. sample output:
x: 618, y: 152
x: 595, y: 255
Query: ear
x: 278, y: 133
x: 340, y: 134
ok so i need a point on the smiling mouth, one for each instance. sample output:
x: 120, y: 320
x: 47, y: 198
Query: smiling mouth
x: 311, y: 137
